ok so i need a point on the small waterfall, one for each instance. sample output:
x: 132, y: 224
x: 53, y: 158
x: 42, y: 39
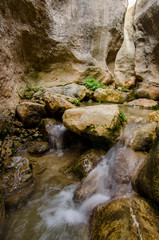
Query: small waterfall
x: 56, y: 138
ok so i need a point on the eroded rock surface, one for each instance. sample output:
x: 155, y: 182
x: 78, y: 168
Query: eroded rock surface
x: 131, y: 218
x: 146, y: 24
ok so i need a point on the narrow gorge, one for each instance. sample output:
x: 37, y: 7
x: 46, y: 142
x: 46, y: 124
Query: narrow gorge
x: 79, y: 120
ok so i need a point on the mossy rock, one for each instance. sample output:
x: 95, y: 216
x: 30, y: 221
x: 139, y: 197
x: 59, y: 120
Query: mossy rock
x: 131, y: 218
x: 81, y: 167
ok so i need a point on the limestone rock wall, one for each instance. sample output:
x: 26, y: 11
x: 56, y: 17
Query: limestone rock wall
x: 125, y: 60
x: 146, y: 24
x: 55, y: 42
x: 139, y: 54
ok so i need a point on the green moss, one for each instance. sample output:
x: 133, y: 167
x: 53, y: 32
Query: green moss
x: 122, y: 117
x: 77, y: 102
x: 28, y: 92
x: 90, y: 130
x: 78, y: 171
x: 92, y: 84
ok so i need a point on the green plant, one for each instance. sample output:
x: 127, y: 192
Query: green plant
x: 92, y: 84
x: 27, y: 96
x: 122, y: 117
x: 29, y: 91
x: 124, y: 89
x: 77, y: 102
x: 30, y: 87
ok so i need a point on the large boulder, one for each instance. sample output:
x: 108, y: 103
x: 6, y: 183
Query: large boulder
x: 16, y: 180
x: 100, y: 123
x: 56, y: 104
x: 109, y: 95
x: 30, y: 113
x: 146, y: 181
x: 131, y: 218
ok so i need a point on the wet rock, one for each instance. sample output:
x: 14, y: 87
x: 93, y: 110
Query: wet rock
x: 56, y: 104
x: 81, y: 167
x: 143, y: 103
x: 112, y: 176
x: 38, y: 148
x: 109, y: 95
x: 6, y: 148
x: 124, y: 164
x: 143, y: 136
x: 100, y: 123
x: 2, y: 208
x: 131, y: 218
x: 30, y: 113
x: 16, y: 180
x: 146, y: 181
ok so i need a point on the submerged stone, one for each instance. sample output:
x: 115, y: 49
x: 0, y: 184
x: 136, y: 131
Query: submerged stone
x: 38, y: 147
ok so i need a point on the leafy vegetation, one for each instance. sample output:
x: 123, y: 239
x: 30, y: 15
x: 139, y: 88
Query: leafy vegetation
x: 92, y: 84
x: 77, y: 102
x: 28, y: 92
x: 122, y: 117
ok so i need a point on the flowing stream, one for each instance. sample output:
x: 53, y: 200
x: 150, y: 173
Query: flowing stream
x: 51, y: 213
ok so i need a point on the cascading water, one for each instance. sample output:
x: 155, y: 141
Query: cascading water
x: 51, y: 213
x: 56, y: 138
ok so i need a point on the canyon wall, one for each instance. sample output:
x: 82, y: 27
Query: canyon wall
x: 55, y: 42
x: 139, y: 54
x: 146, y: 23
